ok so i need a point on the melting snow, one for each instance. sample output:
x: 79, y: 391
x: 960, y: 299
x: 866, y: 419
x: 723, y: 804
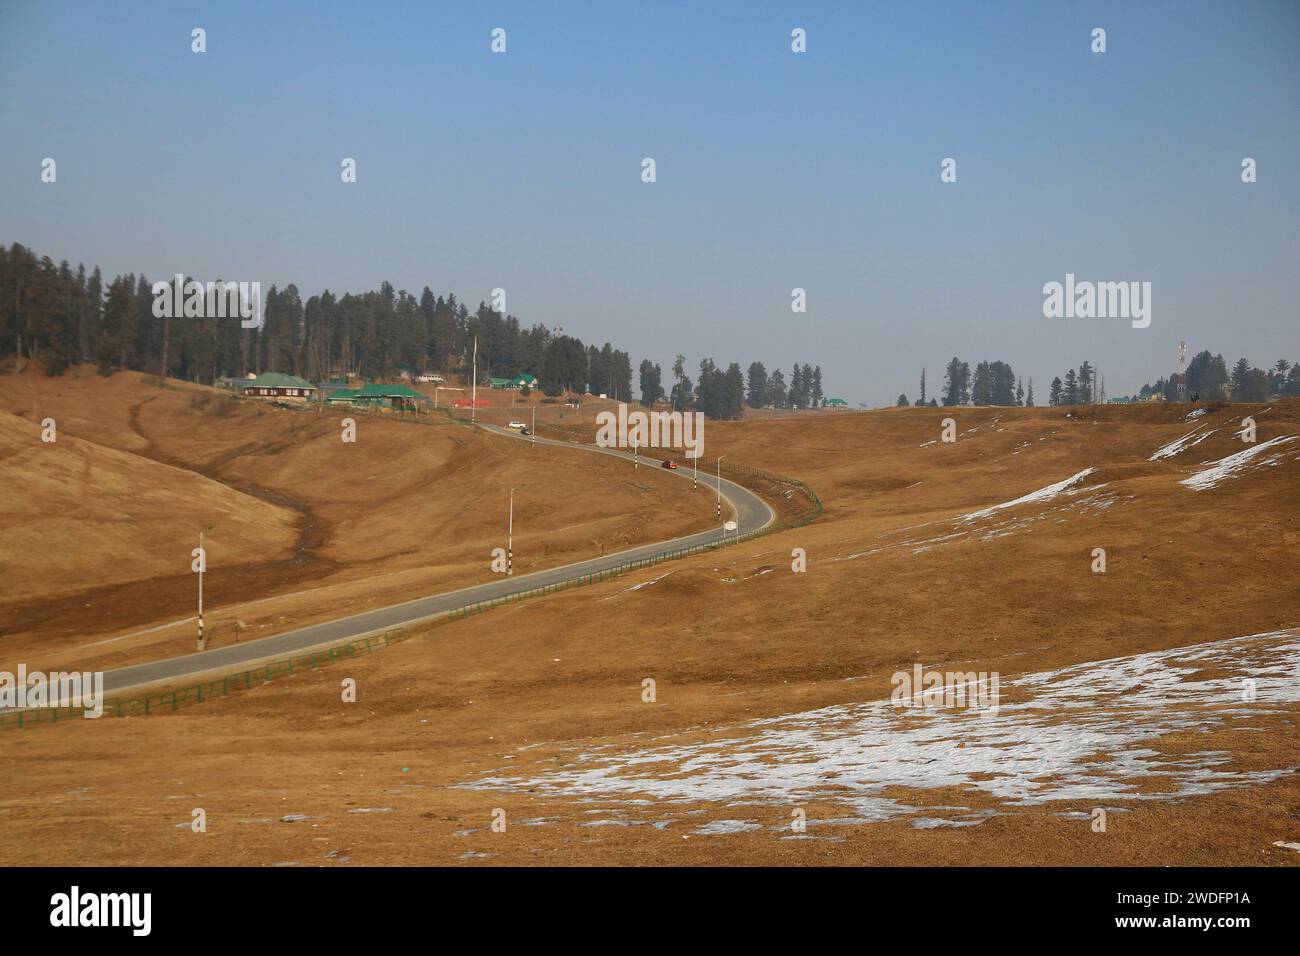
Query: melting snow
x: 1042, y: 494
x: 1085, y: 732
x: 1234, y: 465
x: 1180, y: 445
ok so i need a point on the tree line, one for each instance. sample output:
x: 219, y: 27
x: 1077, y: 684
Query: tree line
x: 992, y: 383
x: 1208, y: 379
x: 57, y: 316
x: 724, y: 394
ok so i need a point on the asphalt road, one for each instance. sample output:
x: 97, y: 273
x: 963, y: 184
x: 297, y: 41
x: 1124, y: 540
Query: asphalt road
x: 750, y: 511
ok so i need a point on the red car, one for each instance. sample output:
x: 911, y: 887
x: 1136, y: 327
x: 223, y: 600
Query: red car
x: 670, y: 464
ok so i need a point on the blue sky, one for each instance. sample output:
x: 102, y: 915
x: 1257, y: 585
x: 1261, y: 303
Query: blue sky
x: 775, y: 170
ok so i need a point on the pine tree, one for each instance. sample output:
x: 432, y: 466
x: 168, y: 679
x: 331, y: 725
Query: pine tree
x: 776, y: 395
x: 734, y: 394
x: 1087, y: 381
x: 956, y: 383
x: 651, y: 379
x: 982, y: 389
x: 1029, y: 396
x: 757, y: 381
x: 1071, y: 394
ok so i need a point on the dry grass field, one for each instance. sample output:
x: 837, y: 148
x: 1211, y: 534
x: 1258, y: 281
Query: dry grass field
x: 299, y: 526
x: 1120, y: 691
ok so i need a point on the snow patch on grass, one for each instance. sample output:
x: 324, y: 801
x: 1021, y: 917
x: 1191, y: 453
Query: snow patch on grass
x: 1086, y: 732
x: 1180, y: 445
x: 1235, y: 465
x: 1042, y: 494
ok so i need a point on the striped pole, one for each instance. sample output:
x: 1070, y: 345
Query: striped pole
x: 203, y: 560
x: 719, y: 489
x: 695, y: 479
x: 510, y: 537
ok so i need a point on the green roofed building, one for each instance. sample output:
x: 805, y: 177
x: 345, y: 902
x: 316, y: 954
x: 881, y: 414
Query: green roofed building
x: 341, y: 396
x: 836, y: 403
x: 276, y: 386
x: 398, y: 397
x: 499, y: 383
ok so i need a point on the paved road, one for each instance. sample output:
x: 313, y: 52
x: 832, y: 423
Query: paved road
x: 750, y: 511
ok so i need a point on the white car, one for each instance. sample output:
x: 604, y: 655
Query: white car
x: 518, y: 425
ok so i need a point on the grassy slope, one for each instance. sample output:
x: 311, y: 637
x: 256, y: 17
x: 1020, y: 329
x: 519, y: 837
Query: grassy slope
x: 736, y: 635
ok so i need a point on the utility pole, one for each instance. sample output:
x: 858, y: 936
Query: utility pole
x: 1182, y: 371
x: 510, y: 537
x: 634, y: 458
x: 473, y: 395
x: 695, y: 479
x: 532, y: 434
x: 203, y: 561
x: 719, y: 488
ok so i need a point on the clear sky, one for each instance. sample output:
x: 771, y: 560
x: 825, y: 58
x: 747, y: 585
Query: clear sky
x: 775, y: 170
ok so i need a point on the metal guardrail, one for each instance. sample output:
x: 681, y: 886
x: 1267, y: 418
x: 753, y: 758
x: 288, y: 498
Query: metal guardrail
x: 171, y: 700
x: 196, y: 693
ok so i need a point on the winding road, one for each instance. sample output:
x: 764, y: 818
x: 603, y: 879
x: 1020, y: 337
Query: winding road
x: 751, y: 513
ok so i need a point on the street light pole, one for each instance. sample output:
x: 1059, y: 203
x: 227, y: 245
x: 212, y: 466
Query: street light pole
x: 532, y: 434
x: 634, y: 458
x: 510, y: 537
x: 203, y: 560
x: 719, y: 488
x: 695, y: 479
x: 473, y: 395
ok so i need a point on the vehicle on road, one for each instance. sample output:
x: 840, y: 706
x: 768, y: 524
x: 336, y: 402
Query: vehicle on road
x: 670, y: 464
x: 518, y: 425
x: 525, y: 431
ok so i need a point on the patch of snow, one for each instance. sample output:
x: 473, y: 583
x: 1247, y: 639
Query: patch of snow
x: 1232, y: 466
x: 718, y: 827
x: 1179, y: 445
x: 1194, y: 414
x: 1042, y: 494
x: 1085, y: 732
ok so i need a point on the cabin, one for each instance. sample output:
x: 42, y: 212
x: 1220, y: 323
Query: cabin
x: 341, y: 396
x: 522, y: 380
x: 838, y: 404
x: 278, y: 387
x: 401, y: 398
